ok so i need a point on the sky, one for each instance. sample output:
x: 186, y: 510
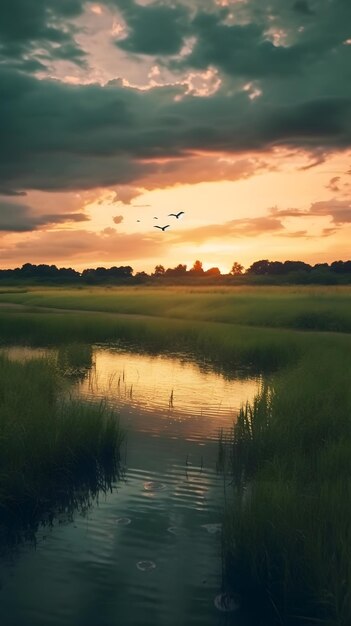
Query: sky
x: 115, y: 114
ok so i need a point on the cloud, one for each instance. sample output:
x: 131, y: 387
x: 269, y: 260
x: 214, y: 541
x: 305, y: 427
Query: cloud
x: 126, y: 194
x: 154, y: 28
x: 12, y: 192
x: 278, y: 85
x: 302, y: 6
x: 203, y: 168
x: 36, y: 31
x: 80, y: 245
x: 338, y: 210
x: 333, y: 184
x: 118, y: 219
x: 235, y: 228
x: 98, y: 136
x: 21, y: 218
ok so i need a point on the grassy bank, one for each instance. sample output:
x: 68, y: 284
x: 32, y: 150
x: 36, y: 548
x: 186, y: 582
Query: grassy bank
x: 287, y: 533
x: 304, y: 308
x: 227, y: 347
x: 55, y: 453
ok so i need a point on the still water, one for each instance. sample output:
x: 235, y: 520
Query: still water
x: 149, y: 553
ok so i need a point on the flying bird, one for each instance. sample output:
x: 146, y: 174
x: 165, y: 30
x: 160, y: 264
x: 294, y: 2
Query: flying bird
x: 155, y: 218
x: 162, y: 227
x: 177, y: 215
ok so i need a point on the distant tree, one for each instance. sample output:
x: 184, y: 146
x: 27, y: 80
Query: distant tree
x: 179, y: 270
x: 213, y: 271
x: 259, y: 267
x: 159, y: 270
x: 276, y: 268
x: 296, y: 266
x: 341, y: 267
x: 105, y: 274
x: 323, y: 267
x: 141, y: 277
x: 237, y: 269
x: 197, y: 268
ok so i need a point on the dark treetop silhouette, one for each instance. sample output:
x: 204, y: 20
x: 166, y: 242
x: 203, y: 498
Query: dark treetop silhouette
x: 263, y: 271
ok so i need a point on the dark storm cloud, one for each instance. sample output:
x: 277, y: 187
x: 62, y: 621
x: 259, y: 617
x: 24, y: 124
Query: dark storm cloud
x: 302, y: 6
x: 271, y: 40
x: 26, y: 25
x: 59, y: 136
x: 21, y: 218
x: 239, y: 50
x: 154, y: 29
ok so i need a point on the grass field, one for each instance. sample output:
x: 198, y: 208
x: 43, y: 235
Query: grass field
x: 305, y: 308
x: 288, y: 533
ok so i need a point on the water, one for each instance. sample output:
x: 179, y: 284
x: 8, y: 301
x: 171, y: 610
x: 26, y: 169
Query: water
x: 149, y: 553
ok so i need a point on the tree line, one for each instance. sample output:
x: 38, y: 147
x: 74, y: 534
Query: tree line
x: 263, y: 271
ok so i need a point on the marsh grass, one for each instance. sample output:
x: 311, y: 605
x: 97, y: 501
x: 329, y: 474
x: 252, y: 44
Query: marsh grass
x: 304, y: 308
x: 55, y: 452
x: 287, y: 535
x: 288, y: 532
x: 226, y: 347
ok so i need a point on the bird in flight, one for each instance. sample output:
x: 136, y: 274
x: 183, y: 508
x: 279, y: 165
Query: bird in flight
x: 155, y: 218
x: 177, y: 215
x: 162, y: 227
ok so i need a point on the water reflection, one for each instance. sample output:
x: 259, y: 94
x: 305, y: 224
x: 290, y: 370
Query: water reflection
x: 178, y: 397
x: 73, y: 493
x: 150, y: 552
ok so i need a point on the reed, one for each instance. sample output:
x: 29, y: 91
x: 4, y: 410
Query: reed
x: 51, y: 446
x: 288, y: 529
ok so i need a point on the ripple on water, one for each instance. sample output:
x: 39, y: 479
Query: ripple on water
x: 146, y: 566
x: 154, y: 485
x: 123, y: 521
x: 226, y: 602
x: 175, y: 530
x: 213, y: 529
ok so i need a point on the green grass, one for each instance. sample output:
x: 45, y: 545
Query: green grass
x: 288, y: 530
x: 227, y: 347
x: 305, y: 308
x: 287, y: 535
x: 55, y: 452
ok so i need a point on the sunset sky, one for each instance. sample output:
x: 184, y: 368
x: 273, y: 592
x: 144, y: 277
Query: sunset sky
x: 112, y: 113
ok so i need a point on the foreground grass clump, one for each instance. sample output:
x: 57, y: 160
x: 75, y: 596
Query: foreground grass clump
x: 55, y: 453
x: 288, y: 531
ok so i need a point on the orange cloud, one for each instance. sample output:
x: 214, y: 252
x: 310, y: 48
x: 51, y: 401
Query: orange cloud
x: 338, y: 210
x: 235, y: 228
x: 200, y: 168
x: 78, y: 246
x: 118, y: 219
